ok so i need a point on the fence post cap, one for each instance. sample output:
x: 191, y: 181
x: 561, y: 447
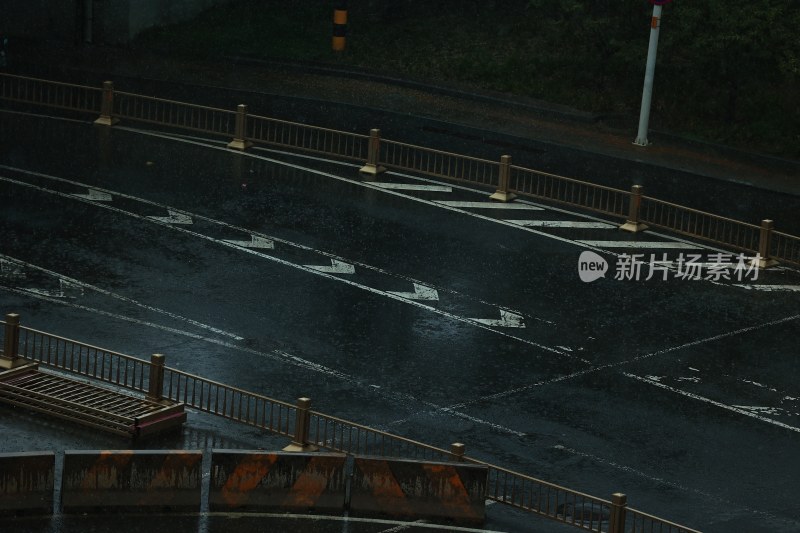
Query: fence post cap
x: 12, y: 318
x: 304, y: 403
x: 158, y: 358
x: 619, y: 498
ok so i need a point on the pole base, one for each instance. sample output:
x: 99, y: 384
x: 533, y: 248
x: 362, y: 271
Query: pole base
x: 641, y: 142
x: 502, y: 196
x: 763, y: 262
x: 297, y: 448
x: 7, y: 363
x: 239, y: 144
x: 633, y: 227
x: 372, y: 170
x: 106, y: 121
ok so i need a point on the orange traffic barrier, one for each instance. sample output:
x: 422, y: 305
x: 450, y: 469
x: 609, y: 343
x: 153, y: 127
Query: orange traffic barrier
x: 132, y: 480
x: 412, y: 490
x: 258, y: 481
x: 26, y: 483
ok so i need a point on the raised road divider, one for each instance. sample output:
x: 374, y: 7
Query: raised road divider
x: 285, y: 481
x: 131, y: 480
x: 404, y: 489
x: 26, y: 483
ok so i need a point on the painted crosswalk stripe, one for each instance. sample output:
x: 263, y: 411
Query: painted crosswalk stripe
x: 413, y: 187
x: 562, y: 224
x: 489, y: 205
x: 641, y: 244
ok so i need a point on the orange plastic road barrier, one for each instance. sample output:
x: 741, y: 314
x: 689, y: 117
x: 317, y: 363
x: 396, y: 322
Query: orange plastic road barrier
x: 131, y: 480
x: 26, y: 482
x: 257, y: 481
x: 412, y: 490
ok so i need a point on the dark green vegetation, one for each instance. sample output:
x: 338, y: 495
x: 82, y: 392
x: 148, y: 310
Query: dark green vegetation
x: 728, y: 70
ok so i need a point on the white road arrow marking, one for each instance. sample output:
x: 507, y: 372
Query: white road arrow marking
x: 413, y: 187
x: 421, y: 292
x: 255, y: 242
x: 337, y: 267
x: 173, y: 218
x: 95, y: 196
x: 507, y: 320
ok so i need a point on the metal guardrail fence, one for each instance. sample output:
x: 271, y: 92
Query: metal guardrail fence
x: 309, y: 138
x: 49, y: 93
x: 309, y: 429
x: 171, y: 113
x: 510, y: 180
x: 701, y: 225
x: 607, y: 200
x: 438, y: 163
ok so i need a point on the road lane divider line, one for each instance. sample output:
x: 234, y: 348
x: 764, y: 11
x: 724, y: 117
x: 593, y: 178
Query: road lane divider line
x: 642, y: 244
x: 421, y: 292
x: 599, y: 368
x: 488, y: 205
x: 563, y: 224
x: 709, y: 401
x: 104, y: 292
x: 413, y: 187
x: 336, y: 267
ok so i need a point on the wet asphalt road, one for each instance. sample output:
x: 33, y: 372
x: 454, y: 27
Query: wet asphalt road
x: 682, y: 394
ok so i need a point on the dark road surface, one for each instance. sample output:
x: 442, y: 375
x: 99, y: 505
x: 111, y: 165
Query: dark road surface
x: 425, y: 311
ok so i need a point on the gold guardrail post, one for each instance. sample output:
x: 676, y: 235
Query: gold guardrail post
x: 239, y: 142
x: 632, y: 224
x: 301, y: 427
x: 107, y: 106
x: 616, y: 523
x: 502, y: 194
x: 763, y: 260
x: 457, y: 450
x: 155, y: 391
x: 373, y: 153
x: 10, y: 358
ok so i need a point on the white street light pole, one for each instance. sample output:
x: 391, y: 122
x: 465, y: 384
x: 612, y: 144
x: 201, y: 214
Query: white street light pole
x: 647, y: 93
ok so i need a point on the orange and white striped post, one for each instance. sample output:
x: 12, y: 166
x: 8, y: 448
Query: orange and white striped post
x: 339, y: 25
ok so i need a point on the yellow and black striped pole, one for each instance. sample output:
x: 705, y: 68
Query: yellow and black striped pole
x: 339, y: 25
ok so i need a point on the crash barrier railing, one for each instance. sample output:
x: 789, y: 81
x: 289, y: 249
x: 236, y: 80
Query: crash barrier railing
x: 311, y: 430
x: 637, y: 210
x: 51, y: 94
x: 171, y: 113
x: 437, y: 163
x: 606, y: 200
x: 301, y: 136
